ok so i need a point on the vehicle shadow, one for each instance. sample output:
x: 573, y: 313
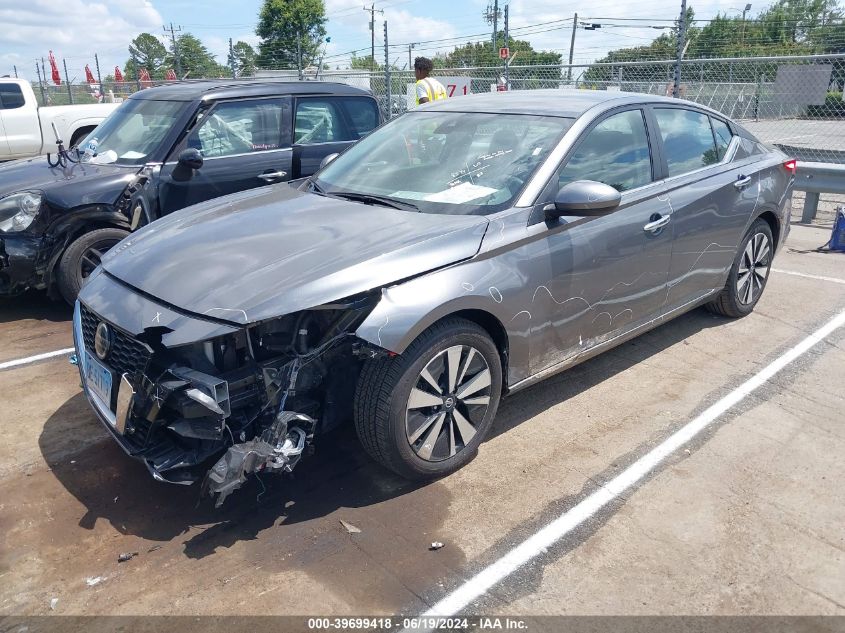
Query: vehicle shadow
x: 559, y: 388
x: 34, y: 304
x: 118, y: 489
x: 338, y: 478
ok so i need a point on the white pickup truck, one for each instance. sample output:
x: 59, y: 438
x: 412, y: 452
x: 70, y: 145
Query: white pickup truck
x: 25, y: 128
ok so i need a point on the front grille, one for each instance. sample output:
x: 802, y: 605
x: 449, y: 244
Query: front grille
x: 127, y: 355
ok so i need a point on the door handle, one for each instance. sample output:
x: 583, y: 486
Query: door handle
x: 270, y: 176
x: 657, y: 224
x: 742, y: 181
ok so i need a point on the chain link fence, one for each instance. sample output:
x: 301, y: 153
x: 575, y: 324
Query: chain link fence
x: 793, y: 102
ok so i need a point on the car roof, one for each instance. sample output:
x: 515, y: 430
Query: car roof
x: 223, y: 89
x: 563, y: 102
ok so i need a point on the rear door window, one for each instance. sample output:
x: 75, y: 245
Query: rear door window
x: 688, y: 142
x: 615, y: 152
x: 239, y: 127
x: 11, y: 96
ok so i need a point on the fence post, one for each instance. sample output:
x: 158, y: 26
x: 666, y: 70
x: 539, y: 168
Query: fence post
x: 99, y: 79
x: 387, y: 75
x: 67, y: 81
x: 299, y: 55
x: 40, y: 84
x: 682, y: 30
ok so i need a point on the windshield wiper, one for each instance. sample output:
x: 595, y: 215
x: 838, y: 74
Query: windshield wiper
x: 368, y: 198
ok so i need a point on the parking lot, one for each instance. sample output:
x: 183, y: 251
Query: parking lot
x: 743, y: 518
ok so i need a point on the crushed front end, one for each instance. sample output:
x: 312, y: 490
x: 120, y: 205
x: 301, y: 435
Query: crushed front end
x: 201, y: 399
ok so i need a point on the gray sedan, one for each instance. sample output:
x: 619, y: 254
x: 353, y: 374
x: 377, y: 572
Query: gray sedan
x: 457, y: 254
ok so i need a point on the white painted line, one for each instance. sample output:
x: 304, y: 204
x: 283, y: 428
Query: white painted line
x: 537, y: 544
x: 9, y: 364
x: 835, y: 280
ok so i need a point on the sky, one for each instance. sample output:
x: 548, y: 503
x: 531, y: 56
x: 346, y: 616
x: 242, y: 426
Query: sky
x: 76, y: 29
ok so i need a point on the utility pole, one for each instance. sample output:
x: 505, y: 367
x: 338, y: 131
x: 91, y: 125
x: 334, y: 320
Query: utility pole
x: 507, y: 45
x: 410, y: 62
x: 572, y: 47
x: 175, y: 47
x: 373, y: 12
x: 682, y: 31
x: 232, y: 60
x: 16, y: 71
x: 387, y: 75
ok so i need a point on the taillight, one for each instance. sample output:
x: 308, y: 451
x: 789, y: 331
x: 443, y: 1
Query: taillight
x: 790, y: 165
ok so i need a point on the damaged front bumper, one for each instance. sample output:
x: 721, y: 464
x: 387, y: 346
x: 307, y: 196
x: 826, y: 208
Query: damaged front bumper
x: 197, y: 398
x: 21, y: 263
x: 179, y: 449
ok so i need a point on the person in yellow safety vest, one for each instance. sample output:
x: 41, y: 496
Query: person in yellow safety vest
x: 427, y: 88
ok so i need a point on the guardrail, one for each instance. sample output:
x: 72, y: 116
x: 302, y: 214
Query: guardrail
x: 816, y: 178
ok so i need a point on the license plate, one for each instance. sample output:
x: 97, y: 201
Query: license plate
x: 98, y: 378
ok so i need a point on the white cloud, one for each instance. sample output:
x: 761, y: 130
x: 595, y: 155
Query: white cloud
x: 72, y: 29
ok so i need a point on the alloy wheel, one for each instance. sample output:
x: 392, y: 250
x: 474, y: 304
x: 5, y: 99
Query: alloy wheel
x: 753, y: 268
x: 448, y: 402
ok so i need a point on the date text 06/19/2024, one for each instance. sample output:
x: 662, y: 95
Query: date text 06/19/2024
x: 420, y: 623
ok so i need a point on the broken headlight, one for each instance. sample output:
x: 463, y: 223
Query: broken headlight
x: 18, y: 210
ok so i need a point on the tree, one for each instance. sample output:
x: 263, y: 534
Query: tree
x: 364, y: 63
x: 526, y: 72
x: 482, y: 54
x: 195, y: 60
x: 285, y: 24
x: 243, y: 59
x: 147, y: 52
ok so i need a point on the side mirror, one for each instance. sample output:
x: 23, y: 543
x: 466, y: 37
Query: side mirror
x: 328, y: 159
x: 585, y: 198
x: 190, y: 158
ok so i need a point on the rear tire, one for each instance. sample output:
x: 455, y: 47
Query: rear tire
x: 749, y: 273
x: 82, y: 257
x: 424, y: 413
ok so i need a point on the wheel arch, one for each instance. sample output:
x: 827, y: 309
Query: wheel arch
x: 774, y: 224
x: 395, y: 330
x: 73, y: 225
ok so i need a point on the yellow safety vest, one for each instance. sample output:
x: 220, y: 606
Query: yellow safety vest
x: 434, y: 90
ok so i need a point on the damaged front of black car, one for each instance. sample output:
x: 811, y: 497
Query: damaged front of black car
x: 231, y: 351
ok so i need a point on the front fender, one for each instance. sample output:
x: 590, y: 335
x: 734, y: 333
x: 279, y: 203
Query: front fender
x: 487, y: 285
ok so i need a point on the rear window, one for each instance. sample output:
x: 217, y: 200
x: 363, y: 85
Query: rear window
x: 723, y: 136
x: 334, y: 119
x: 11, y: 96
x: 687, y: 139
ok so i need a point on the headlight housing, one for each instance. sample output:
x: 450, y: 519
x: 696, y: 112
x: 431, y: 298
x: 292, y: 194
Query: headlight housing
x: 18, y: 210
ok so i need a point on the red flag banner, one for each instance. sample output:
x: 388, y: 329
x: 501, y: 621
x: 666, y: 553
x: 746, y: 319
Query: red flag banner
x: 118, y: 76
x: 89, y: 76
x: 54, y: 70
x: 171, y: 75
x: 144, y: 76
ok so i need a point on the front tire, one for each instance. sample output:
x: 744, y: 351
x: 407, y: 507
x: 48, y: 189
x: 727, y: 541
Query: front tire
x: 82, y: 257
x: 749, y: 273
x: 424, y: 413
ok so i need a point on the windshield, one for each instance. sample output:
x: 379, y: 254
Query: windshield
x: 132, y: 134
x: 446, y: 162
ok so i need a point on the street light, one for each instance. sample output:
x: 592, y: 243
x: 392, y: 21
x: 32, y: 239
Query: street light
x: 742, y: 34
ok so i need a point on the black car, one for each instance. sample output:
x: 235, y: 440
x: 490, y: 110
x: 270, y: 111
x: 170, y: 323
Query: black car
x: 164, y: 149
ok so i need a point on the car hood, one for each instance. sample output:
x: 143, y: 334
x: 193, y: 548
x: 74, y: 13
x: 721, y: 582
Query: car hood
x: 66, y: 187
x: 275, y: 250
